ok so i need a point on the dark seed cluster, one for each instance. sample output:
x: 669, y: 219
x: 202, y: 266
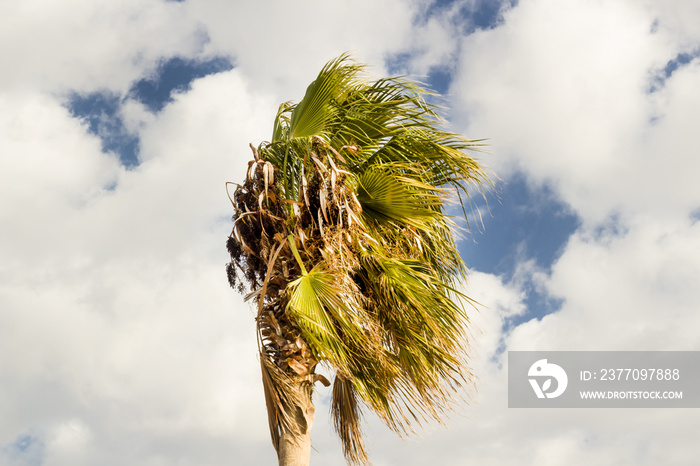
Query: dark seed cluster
x: 259, y: 216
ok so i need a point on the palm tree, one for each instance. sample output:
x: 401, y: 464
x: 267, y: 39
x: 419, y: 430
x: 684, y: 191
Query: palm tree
x: 341, y: 232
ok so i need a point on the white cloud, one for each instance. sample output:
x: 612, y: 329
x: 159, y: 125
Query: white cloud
x: 633, y: 291
x: 116, y: 309
x: 50, y: 170
x: 563, y: 89
x: 678, y: 19
x: 86, y: 45
x: 566, y: 100
x: 284, y: 44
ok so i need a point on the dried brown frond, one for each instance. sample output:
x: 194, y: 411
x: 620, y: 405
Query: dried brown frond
x: 347, y: 414
x: 281, y: 397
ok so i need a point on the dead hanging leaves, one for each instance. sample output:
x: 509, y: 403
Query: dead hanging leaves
x: 324, y: 220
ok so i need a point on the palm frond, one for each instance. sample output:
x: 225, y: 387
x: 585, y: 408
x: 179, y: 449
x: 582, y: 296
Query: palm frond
x: 311, y: 114
x: 325, y: 308
x: 282, y: 121
x: 425, y: 326
x: 386, y: 197
x: 281, y: 399
x: 346, y: 413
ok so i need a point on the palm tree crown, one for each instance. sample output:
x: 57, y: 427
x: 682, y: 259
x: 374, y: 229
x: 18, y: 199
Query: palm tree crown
x: 341, y: 232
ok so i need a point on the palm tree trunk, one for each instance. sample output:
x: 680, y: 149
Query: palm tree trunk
x: 288, y: 379
x: 295, y: 446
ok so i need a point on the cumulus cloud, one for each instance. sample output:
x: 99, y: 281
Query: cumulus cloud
x: 625, y: 291
x: 568, y: 102
x: 284, y: 44
x: 115, y: 307
x: 564, y: 87
x: 86, y: 45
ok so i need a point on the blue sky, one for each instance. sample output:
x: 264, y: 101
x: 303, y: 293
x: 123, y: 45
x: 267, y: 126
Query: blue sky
x: 122, y: 121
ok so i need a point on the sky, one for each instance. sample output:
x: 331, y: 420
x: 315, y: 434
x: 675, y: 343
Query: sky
x: 121, y: 121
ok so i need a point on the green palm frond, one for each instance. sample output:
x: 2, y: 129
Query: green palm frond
x: 319, y: 105
x: 387, y: 197
x: 335, y: 325
x: 312, y: 299
x: 282, y: 121
x: 427, y: 325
